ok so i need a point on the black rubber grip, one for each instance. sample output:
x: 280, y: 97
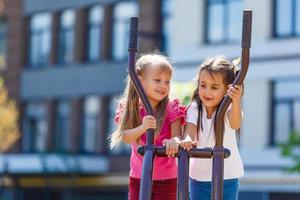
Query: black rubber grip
x: 247, y: 27
x: 133, y: 34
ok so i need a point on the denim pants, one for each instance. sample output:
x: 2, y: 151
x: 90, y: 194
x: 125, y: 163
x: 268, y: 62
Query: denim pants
x: 201, y: 190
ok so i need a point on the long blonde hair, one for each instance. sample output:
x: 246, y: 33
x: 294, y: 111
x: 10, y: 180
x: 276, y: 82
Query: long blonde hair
x: 129, y: 116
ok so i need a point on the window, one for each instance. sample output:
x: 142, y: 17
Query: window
x: 35, y: 128
x: 167, y: 7
x: 287, y: 18
x: 122, y: 13
x: 66, y: 37
x: 223, y: 21
x: 91, y: 123
x: 96, y: 16
x: 40, y: 39
x: 122, y: 148
x: 2, y: 44
x: 63, y: 126
x: 286, y: 109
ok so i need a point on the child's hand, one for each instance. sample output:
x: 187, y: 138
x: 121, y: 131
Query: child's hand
x: 171, y: 146
x: 235, y: 93
x: 148, y: 122
x: 188, y: 144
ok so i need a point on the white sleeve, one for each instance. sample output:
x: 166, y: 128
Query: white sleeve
x: 192, y: 113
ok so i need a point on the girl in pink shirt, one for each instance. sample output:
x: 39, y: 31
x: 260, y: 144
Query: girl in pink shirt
x: 154, y: 72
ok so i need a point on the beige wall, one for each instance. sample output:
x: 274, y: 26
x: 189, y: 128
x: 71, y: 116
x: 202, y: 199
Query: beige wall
x: 261, y: 19
x: 186, y: 24
x: 256, y: 107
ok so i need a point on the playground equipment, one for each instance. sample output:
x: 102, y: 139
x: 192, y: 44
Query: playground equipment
x: 217, y: 153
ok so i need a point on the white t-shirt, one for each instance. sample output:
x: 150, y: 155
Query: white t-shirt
x: 201, y: 168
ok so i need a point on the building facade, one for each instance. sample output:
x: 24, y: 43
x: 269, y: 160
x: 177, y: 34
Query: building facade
x: 271, y: 98
x: 66, y: 64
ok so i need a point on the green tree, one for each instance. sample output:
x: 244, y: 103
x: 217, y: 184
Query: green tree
x: 183, y: 91
x: 291, y: 149
x: 9, y: 131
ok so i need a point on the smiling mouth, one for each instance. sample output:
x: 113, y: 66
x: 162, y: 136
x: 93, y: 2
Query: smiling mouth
x: 208, y: 99
x: 160, y: 92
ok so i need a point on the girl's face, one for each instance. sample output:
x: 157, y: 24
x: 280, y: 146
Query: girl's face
x: 211, y: 89
x: 156, y: 83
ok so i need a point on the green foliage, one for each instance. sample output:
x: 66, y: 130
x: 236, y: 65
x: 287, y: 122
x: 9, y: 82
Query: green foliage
x: 291, y: 149
x: 183, y: 91
x: 9, y: 131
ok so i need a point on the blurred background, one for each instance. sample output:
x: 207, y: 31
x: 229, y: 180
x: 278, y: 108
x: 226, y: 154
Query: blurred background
x: 63, y: 64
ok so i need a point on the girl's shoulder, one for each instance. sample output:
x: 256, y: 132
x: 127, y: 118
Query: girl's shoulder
x: 193, y: 106
x: 175, y: 104
x: 175, y: 109
x: 119, y: 110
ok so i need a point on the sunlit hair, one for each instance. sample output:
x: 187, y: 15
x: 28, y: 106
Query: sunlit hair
x: 130, y: 115
x: 213, y: 66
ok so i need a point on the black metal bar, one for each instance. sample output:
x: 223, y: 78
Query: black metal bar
x: 146, y: 180
x: 183, y: 175
x: 195, y: 152
x: 218, y: 152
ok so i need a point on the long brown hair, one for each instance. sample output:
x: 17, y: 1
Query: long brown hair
x: 213, y: 66
x: 130, y: 115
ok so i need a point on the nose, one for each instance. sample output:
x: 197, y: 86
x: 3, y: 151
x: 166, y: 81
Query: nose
x: 207, y: 92
x: 162, y: 85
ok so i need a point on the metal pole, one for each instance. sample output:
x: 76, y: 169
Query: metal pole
x: 146, y: 180
x: 218, y: 150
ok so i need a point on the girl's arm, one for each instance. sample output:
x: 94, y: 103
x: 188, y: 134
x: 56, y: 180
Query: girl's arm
x: 131, y: 135
x: 234, y: 113
x: 190, y: 132
x: 176, y: 130
x: 173, y: 143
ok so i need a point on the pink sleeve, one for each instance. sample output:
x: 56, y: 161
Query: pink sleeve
x: 177, y: 111
x: 119, y: 110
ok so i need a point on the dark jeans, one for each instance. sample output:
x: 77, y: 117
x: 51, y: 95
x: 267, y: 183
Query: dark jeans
x: 161, y: 189
x: 201, y: 190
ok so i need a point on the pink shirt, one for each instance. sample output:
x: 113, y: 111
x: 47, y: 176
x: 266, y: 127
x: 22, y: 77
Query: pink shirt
x: 163, y: 167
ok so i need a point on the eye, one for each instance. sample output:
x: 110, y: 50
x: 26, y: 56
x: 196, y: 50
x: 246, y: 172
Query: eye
x: 202, y: 85
x: 215, y: 88
x: 157, y: 80
x: 167, y: 82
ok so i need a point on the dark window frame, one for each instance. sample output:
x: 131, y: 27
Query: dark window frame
x: 3, y: 42
x: 275, y: 101
x: 38, y: 34
x: 126, y: 23
x: 92, y: 25
x: 61, y: 146
x: 31, y: 135
x: 64, y: 31
x: 97, y: 118
x: 293, y: 32
x: 226, y: 38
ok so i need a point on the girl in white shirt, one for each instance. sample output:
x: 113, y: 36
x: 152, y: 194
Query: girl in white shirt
x: 214, y: 82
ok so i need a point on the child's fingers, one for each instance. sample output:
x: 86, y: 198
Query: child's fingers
x: 165, y: 142
x: 190, y: 146
x: 239, y: 87
x: 183, y: 145
x: 194, y: 143
x: 187, y: 145
x: 167, y: 149
x: 173, y: 149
